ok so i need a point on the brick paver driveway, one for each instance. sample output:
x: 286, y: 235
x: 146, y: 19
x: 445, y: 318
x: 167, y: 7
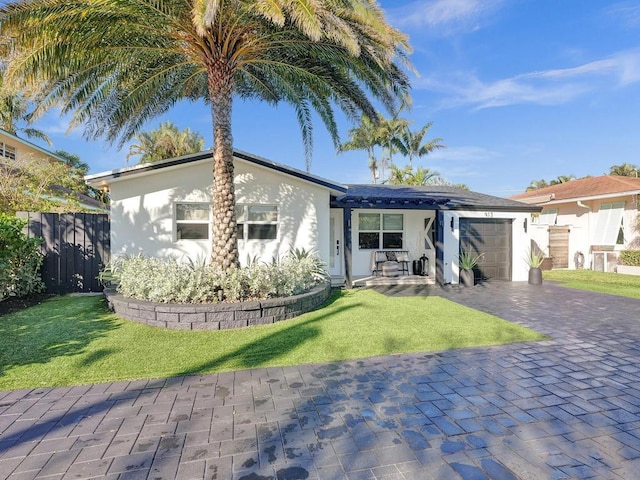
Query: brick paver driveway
x: 564, y: 408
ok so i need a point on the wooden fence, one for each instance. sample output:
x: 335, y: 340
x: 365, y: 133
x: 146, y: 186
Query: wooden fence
x: 76, y: 246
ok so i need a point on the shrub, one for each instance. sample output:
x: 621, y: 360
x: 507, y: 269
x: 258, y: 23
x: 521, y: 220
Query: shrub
x: 630, y: 258
x: 20, y: 260
x: 168, y: 281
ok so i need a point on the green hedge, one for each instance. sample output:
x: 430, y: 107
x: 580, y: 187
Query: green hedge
x: 20, y: 259
x: 630, y: 258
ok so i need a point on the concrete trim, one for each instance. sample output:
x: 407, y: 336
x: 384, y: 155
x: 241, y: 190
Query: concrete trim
x: 217, y: 316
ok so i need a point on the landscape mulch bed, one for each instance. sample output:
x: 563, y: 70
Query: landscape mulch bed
x: 14, y: 304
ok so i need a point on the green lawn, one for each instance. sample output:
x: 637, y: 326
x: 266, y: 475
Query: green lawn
x: 613, y: 283
x: 76, y: 340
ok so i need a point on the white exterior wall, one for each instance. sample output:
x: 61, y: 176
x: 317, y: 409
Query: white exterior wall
x: 413, y: 240
x: 583, y: 221
x: 142, y: 211
x: 520, y: 242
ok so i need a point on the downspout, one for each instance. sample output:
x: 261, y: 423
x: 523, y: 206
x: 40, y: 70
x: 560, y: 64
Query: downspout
x: 582, y: 205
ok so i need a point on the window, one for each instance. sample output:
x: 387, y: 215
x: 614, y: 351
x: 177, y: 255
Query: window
x: 7, y: 152
x: 257, y: 222
x: 548, y: 216
x: 609, y: 224
x: 375, y: 229
x: 192, y: 221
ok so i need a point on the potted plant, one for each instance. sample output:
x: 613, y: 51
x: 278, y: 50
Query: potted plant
x: 534, y: 259
x: 467, y: 264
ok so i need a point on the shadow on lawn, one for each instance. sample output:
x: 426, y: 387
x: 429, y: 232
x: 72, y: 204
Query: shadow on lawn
x: 54, y: 328
x: 261, y: 351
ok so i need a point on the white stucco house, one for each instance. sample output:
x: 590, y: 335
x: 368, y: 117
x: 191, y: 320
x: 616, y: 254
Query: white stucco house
x: 163, y: 209
x: 586, y: 222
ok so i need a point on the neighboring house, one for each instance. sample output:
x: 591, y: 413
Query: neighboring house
x: 163, y: 209
x: 15, y: 148
x: 590, y: 218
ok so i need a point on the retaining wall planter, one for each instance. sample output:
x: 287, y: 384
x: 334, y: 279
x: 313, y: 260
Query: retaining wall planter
x: 217, y: 316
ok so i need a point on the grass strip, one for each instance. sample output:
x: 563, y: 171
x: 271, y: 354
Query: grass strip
x: 611, y: 283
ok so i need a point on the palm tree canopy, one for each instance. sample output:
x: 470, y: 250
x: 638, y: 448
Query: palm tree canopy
x: 166, y: 141
x: 14, y: 113
x: 410, y: 143
x: 419, y: 177
x: 625, y: 170
x: 115, y: 64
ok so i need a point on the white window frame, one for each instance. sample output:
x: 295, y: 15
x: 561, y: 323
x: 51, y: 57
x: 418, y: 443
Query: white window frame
x: 177, y: 222
x: 608, y: 224
x: 243, y: 221
x: 381, y: 231
x: 7, y: 152
x: 548, y: 216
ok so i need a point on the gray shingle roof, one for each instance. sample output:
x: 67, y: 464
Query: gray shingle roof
x: 427, y: 197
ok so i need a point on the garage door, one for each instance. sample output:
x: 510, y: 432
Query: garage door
x: 492, y: 237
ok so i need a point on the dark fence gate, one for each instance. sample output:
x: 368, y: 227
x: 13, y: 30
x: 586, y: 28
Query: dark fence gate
x: 75, y: 248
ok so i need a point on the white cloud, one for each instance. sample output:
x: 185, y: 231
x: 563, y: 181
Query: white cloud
x: 550, y: 87
x: 443, y: 16
x: 626, y: 13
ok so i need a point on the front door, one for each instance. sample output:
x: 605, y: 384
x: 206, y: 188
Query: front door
x: 336, y: 244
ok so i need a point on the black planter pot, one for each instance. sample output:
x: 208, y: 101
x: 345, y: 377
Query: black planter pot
x: 466, y: 278
x: 535, y: 276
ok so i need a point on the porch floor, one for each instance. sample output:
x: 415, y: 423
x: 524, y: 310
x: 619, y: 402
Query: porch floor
x: 375, y: 281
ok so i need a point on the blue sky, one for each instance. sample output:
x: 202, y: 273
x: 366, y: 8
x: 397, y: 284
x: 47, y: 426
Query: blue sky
x: 518, y: 89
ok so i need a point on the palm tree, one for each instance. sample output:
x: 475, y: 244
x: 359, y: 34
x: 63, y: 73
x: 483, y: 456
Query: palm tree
x: 420, y: 177
x: 387, y: 135
x: 117, y: 63
x: 409, y: 143
x: 562, y: 179
x: 14, y: 111
x: 363, y: 137
x: 537, y: 184
x: 625, y: 170
x: 167, y: 141
x: 398, y: 176
x: 424, y: 176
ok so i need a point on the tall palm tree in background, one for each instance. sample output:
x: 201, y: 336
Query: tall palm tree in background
x: 14, y: 113
x: 115, y: 64
x: 410, y: 143
x: 167, y: 141
x: 364, y: 137
x: 388, y: 132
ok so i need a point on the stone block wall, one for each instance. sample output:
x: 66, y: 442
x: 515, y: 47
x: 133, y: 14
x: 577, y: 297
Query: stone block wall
x: 217, y: 316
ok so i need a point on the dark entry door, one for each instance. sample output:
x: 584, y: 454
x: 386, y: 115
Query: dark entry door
x: 492, y: 237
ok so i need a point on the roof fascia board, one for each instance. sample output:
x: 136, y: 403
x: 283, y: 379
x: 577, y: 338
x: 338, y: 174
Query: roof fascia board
x: 592, y: 197
x: 113, y: 176
x: 425, y: 206
x: 31, y: 145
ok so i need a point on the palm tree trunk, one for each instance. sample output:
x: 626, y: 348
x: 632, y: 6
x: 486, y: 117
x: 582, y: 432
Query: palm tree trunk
x: 224, y: 240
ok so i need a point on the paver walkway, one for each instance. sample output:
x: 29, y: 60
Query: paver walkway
x: 564, y: 408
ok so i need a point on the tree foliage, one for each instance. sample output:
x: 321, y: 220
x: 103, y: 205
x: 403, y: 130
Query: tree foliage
x: 410, y: 143
x: 421, y: 176
x: 542, y: 183
x: 625, y: 170
x: 30, y: 183
x: 15, y: 116
x: 115, y: 64
x: 20, y: 259
x: 167, y: 141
